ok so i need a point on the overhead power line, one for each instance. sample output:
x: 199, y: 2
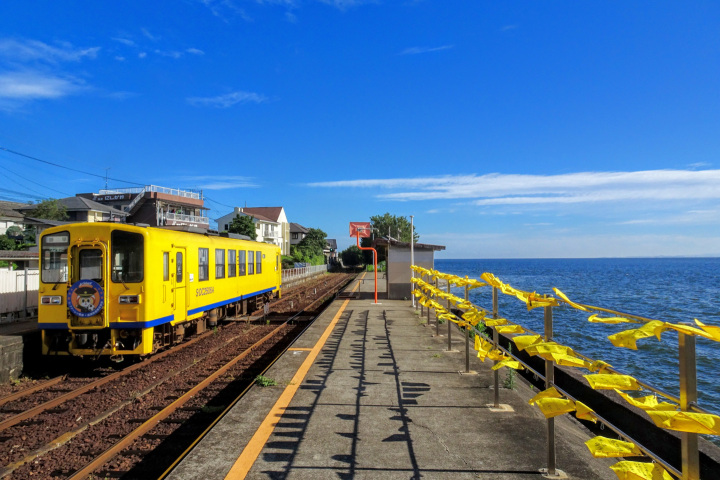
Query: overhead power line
x: 68, y: 168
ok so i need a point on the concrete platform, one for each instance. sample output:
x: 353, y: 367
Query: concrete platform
x: 368, y: 392
x: 18, y: 340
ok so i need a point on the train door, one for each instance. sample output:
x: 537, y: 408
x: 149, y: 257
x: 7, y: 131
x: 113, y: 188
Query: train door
x: 179, y: 280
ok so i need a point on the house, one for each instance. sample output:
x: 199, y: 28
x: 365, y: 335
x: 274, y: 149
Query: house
x: 156, y: 206
x: 10, y: 215
x: 81, y: 209
x: 297, y: 233
x: 271, y: 224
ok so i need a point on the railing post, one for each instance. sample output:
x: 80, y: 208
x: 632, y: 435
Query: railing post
x: 467, y: 339
x: 449, y: 349
x: 496, y: 341
x: 688, y: 396
x: 437, y: 322
x: 549, y: 382
x: 422, y: 309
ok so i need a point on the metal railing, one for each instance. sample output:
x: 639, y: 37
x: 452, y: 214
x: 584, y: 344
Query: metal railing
x: 292, y: 274
x: 179, y: 217
x: 687, y: 400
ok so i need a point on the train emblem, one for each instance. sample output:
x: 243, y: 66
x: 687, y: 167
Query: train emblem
x: 86, y: 298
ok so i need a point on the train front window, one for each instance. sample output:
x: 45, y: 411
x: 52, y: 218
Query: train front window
x: 127, y: 257
x: 54, y: 257
x: 91, y: 265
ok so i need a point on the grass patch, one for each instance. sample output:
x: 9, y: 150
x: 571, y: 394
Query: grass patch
x: 265, y: 381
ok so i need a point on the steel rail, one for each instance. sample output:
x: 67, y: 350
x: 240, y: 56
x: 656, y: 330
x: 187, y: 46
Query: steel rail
x: 167, y: 411
x: 27, y: 414
x: 237, y: 399
x: 24, y: 393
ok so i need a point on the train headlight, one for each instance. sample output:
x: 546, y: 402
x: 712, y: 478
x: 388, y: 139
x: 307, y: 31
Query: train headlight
x: 129, y: 299
x: 51, y: 300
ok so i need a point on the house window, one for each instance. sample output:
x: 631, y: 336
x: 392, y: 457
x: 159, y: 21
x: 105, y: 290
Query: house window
x: 232, y: 265
x: 219, y: 263
x: 294, y: 236
x: 203, y: 264
x: 251, y: 262
x: 241, y: 262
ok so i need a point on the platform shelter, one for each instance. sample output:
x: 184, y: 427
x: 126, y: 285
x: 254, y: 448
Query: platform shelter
x: 398, y: 276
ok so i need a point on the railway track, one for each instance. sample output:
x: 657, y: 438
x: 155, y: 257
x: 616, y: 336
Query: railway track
x: 119, y: 426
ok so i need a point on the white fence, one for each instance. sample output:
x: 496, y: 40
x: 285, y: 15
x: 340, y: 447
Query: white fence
x: 292, y: 274
x: 14, y: 296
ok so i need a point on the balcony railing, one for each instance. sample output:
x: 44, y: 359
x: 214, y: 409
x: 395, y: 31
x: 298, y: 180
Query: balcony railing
x: 179, y: 217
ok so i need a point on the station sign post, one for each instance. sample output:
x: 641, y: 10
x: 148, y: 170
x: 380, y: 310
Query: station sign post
x: 363, y: 230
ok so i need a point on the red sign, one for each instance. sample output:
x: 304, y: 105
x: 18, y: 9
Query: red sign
x: 362, y: 228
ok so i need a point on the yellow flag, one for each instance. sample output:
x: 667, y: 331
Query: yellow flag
x: 491, y: 279
x: 610, y: 320
x: 583, y: 412
x: 628, y: 338
x: 603, y: 447
x: 477, y: 342
x: 688, y: 330
x: 640, y: 471
x: 465, y: 305
x: 599, y: 366
x: 496, y: 355
x: 549, y: 393
x: 493, y: 322
x: 686, y: 421
x: 472, y: 283
x: 567, y: 300
x: 449, y: 317
x: 509, y: 329
x: 568, y: 360
x: 648, y: 402
x: 534, y: 300
x: 508, y: 362
x: 552, y: 407
x: 711, y: 330
x: 608, y: 381
x: 547, y: 348
x: 524, y: 341
x: 473, y: 316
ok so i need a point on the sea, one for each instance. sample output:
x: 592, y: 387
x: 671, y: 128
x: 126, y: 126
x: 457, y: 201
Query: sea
x: 669, y: 289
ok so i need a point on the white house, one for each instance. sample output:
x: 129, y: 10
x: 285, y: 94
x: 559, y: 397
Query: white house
x: 271, y: 224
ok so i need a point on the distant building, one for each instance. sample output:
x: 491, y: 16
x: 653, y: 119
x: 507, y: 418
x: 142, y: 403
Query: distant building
x: 10, y: 215
x: 297, y: 233
x: 81, y: 209
x: 330, y: 251
x: 156, y: 206
x: 271, y: 225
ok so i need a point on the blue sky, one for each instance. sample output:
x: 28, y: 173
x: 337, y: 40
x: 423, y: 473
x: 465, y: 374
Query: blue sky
x: 509, y: 129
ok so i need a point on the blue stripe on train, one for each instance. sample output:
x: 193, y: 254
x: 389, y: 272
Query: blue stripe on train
x: 161, y: 320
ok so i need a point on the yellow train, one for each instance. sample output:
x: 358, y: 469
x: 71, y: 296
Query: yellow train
x: 116, y: 289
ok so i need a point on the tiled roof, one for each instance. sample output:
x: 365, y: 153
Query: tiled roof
x: 18, y: 255
x: 80, y: 204
x: 10, y: 209
x: 270, y: 213
x: 297, y: 228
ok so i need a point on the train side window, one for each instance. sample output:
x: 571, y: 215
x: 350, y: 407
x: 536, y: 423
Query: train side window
x: 219, y: 263
x: 241, y: 262
x: 232, y: 263
x: 251, y: 262
x: 258, y: 263
x: 128, y: 253
x: 277, y: 262
x: 179, y: 266
x: 203, y: 264
x: 166, y: 266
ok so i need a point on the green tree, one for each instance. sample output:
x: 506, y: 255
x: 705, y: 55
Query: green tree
x: 397, y: 227
x: 7, y: 243
x: 50, y: 209
x: 310, y: 249
x: 243, y: 225
x: 352, y: 256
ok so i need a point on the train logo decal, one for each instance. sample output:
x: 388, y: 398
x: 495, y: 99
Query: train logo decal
x: 86, y: 298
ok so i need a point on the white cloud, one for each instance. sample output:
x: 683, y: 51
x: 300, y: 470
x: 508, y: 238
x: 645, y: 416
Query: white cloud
x: 149, y: 36
x: 142, y: 54
x: 582, y: 187
x: 419, y: 50
x: 125, y: 41
x: 34, y: 50
x: 195, y: 51
x: 227, y: 100
x: 33, y: 85
x: 171, y: 54
x: 219, y: 183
